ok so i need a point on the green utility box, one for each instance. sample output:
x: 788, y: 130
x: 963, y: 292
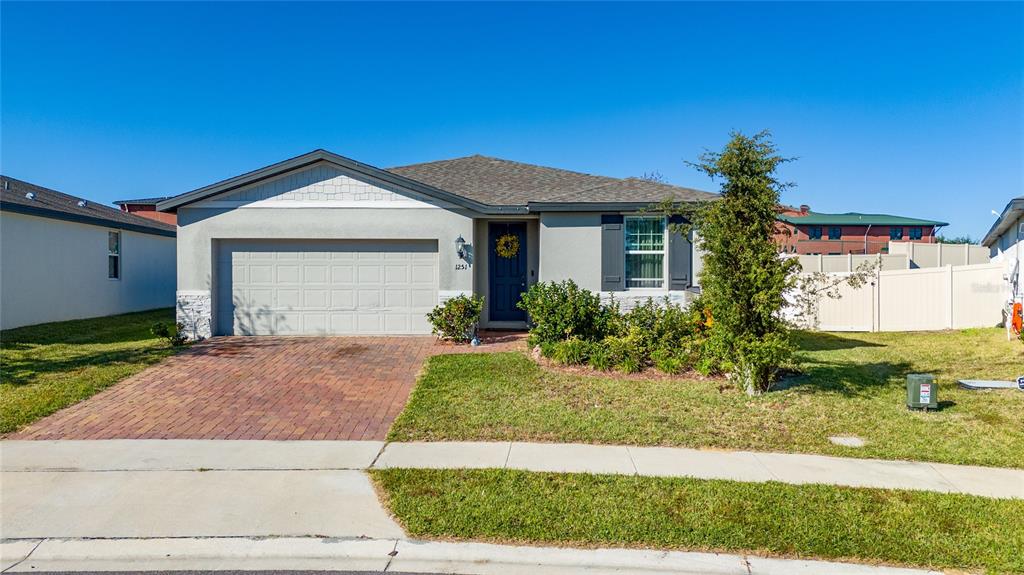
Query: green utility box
x: 922, y: 393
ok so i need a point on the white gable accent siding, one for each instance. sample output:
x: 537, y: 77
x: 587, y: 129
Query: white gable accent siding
x: 321, y: 185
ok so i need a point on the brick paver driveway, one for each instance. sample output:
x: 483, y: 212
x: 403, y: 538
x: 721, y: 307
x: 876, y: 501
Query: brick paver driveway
x: 260, y: 388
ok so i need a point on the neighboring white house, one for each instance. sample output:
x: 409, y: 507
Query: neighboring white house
x: 1005, y: 240
x: 322, y: 244
x: 63, y: 257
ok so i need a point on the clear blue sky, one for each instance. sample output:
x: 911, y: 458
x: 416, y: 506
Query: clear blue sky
x: 914, y: 109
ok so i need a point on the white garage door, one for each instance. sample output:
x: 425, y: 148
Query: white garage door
x: 335, y: 287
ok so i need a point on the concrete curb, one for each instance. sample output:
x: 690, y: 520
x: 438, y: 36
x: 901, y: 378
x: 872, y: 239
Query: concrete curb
x: 394, y: 555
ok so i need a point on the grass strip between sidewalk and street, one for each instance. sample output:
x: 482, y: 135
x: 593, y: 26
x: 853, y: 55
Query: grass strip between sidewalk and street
x: 851, y: 385
x: 47, y: 367
x: 914, y: 528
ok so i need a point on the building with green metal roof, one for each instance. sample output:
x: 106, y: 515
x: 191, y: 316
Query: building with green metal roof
x: 857, y: 219
x: 805, y: 232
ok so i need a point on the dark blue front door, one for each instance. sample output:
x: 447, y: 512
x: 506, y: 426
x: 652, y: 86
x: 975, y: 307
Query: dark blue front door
x: 507, y: 276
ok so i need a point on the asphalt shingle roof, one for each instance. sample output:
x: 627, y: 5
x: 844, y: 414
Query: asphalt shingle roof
x: 498, y: 182
x: 857, y: 219
x: 51, y: 203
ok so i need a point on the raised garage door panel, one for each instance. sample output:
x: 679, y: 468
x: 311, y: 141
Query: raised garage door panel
x: 335, y: 287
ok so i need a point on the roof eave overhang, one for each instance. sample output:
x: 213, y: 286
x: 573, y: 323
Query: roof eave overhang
x: 82, y: 219
x: 594, y: 206
x: 371, y: 173
x: 1011, y: 212
x: 378, y: 175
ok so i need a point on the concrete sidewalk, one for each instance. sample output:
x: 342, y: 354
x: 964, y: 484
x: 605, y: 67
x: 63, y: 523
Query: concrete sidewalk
x: 175, y: 505
x: 192, y: 504
x: 707, y: 464
x: 394, y: 555
x: 187, y: 455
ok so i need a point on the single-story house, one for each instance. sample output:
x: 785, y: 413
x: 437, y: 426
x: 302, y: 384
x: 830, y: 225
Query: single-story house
x: 63, y: 257
x: 1005, y: 240
x: 322, y: 244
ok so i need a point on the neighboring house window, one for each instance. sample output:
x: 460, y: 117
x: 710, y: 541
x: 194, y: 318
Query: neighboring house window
x: 895, y: 233
x: 835, y: 232
x: 915, y: 233
x: 645, y: 252
x: 114, y: 255
x: 814, y: 232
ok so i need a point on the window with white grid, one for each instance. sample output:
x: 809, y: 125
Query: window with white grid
x: 645, y: 252
x: 114, y: 255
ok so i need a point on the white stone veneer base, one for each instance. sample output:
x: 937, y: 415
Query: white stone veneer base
x: 194, y: 309
x: 628, y: 300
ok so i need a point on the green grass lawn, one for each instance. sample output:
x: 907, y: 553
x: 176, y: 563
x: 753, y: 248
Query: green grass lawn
x: 902, y: 527
x: 852, y: 384
x: 50, y: 366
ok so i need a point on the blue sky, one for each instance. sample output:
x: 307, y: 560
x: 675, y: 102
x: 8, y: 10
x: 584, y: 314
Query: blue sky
x: 914, y: 109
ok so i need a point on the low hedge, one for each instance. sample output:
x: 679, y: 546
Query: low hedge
x: 572, y: 326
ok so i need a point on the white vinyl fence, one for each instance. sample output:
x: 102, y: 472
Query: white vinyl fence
x: 950, y: 297
x: 902, y: 255
x: 850, y: 262
x: 939, y: 255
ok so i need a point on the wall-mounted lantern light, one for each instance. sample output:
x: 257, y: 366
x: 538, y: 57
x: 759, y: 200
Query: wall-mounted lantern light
x: 460, y: 247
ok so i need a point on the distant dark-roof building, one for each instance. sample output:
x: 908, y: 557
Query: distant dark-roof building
x: 146, y: 208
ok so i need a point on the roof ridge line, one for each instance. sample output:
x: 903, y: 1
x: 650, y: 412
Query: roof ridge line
x: 415, y: 164
x: 505, y: 160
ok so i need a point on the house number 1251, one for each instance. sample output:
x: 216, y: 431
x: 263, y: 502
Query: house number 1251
x: 462, y: 266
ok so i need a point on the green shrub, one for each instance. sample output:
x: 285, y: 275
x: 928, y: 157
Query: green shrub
x: 548, y: 348
x: 600, y: 358
x: 174, y: 336
x: 629, y: 365
x: 456, y: 318
x: 562, y: 310
x: 666, y: 361
x: 660, y: 324
x: 572, y: 327
x: 573, y: 351
x: 625, y: 353
x: 679, y: 358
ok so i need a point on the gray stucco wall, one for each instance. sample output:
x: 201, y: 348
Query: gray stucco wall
x: 198, y: 228
x: 570, y: 248
x: 55, y: 270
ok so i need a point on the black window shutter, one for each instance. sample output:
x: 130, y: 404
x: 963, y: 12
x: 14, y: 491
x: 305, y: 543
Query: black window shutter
x: 680, y: 253
x: 613, y: 253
